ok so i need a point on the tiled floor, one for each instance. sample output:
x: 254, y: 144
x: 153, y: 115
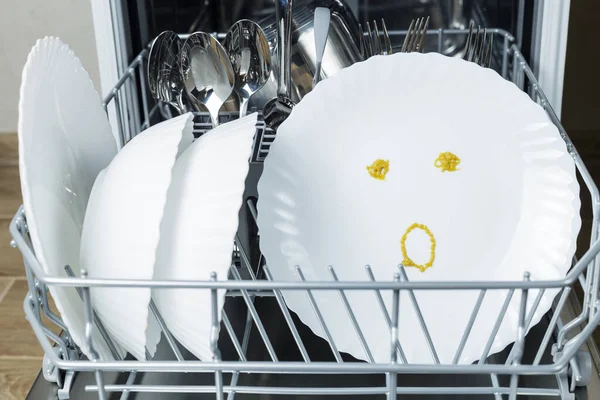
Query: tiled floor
x: 20, y: 353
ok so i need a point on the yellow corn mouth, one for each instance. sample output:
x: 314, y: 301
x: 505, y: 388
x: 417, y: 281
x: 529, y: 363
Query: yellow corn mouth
x: 408, y: 262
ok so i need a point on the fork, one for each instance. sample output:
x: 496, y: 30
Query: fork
x: 415, y: 37
x: 374, y: 45
x: 479, y: 48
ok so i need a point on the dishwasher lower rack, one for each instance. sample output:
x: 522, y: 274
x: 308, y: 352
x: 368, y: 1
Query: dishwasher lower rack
x: 263, y: 349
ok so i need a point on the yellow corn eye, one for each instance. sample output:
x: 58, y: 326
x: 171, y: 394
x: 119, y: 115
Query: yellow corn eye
x: 408, y: 262
x: 447, y: 162
x: 379, y: 169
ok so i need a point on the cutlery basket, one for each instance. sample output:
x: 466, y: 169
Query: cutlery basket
x: 262, y: 350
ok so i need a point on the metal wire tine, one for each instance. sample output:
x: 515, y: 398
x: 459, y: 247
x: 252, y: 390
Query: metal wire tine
x: 392, y: 378
x: 259, y: 325
x: 101, y: 328
x: 322, y: 323
x: 549, y: 331
x: 245, y: 341
x: 245, y: 259
x: 130, y: 381
x: 214, y: 337
x: 168, y: 335
x: 467, y: 332
x: 252, y: 209
x: 469, y: 41
x: 520, y: 342
x: 422, y: 37
x: 233, y: 336
x: 377, y: 39
x: 408, y: 37
x: 386, y: 38
x: 499, y: 319
x: 417, y: 309
x: 288, y: 317
x: 385, y: 313
x: 352, y: 317
x: 529, y: 318
x: 89, y: 331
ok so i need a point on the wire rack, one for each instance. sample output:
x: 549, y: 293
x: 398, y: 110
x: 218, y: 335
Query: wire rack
x: 246, y: 325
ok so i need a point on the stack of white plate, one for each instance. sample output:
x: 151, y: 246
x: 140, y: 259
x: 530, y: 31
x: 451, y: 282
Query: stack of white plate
x: 163, y: 207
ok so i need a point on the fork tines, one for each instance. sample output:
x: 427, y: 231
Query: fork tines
x: 415, y: 37
x: 376, y: 42
x: 479, y: 47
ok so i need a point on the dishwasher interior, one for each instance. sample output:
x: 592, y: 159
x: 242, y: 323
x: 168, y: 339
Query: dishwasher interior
x: 258, y: 324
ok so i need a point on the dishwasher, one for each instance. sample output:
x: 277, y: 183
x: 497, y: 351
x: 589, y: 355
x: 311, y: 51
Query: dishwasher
x: 556, y: 359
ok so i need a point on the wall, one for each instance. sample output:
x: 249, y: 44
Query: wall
x: 22, y: 22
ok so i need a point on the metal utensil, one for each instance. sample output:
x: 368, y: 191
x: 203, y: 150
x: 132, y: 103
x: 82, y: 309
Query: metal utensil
x: 207, y: 73
x: 164, y: 77
x: 342, y: 47
x: 479, y: 48
x: 321, y: 32
x: 279, y: 108
x: 415, y: 38
x: 250, y: 57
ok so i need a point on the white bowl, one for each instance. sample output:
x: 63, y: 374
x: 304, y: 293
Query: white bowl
x: 513, y: 205
x: 199, y: 226
x: 64, y: 141
x: 122, y: 229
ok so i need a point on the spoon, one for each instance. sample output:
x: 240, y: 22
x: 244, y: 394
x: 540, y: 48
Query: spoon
x: 250, y: 56
x: 207, y: 73
x: 278, y: 109
x: 164, y: 77
x: 321, y: 31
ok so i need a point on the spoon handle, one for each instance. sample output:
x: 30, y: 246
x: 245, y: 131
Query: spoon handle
x: 180, y: 105
x: 321, y: 31
x: 283, y: 11
x: 244, y: 100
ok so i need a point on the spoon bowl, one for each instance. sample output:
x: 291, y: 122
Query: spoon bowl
x: 250, y: 57
x: 164, y: 76
x: 207, y: 73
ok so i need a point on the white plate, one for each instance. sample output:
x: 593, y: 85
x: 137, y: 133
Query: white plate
x: 122, y: 230
x: 199, y: 226
x: 64, y: 141
x: 513, y: 205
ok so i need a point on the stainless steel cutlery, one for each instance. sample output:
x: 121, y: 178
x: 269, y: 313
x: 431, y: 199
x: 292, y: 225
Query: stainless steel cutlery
x: 479, y: 47
x: 279, y: 108
x: 375, y: 43
x: 250, y: 57
x: 164, y: 78
x: 415, y: 38
x: 206, y: 72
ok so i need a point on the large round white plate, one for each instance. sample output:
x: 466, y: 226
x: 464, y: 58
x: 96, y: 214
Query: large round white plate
x: 121, y: 230
x: 199, y: 226
x: 513, y: 205
x: 64, y: 141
